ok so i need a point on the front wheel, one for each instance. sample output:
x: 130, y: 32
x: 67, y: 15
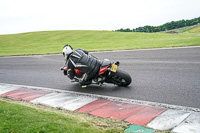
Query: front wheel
x: 120, y: 78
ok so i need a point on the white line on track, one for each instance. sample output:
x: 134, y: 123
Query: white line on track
x: 149, y: 49
x: 133, y: 50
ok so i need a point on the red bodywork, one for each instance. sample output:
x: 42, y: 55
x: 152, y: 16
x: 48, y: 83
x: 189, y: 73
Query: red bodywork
x: 79, y: 72
x: 102, y: 70
x: 76, y: 71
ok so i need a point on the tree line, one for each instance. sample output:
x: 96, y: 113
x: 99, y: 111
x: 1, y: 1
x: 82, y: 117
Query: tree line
x: 165, y: 27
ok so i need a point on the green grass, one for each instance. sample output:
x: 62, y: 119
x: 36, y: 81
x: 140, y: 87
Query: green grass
x: 16, y: 118
x: 50, y: 42
x: 195, y: 29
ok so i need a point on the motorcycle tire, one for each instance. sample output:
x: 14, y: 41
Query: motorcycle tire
x: 121, y: 78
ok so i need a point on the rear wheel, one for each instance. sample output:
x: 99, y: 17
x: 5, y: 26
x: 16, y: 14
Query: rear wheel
x: 120, y: 78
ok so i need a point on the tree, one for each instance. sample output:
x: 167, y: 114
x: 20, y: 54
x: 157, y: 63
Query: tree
x: 167, y: 26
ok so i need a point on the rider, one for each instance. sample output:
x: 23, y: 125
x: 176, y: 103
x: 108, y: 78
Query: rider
x: 81, y: 60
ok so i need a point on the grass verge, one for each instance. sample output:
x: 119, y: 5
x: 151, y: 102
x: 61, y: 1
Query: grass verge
x: 52, y: 42
x: 19, y: 116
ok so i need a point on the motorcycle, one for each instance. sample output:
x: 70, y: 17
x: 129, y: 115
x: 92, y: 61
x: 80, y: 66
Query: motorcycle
x: 108, y: 73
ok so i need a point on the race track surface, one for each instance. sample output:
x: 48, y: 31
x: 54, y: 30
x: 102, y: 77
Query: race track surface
x: 170, y: 76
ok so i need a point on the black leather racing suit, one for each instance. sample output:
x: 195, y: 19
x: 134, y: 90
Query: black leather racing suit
x: 88, y: 64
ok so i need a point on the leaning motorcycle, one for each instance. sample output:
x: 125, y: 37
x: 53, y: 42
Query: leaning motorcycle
x: 109, y: 73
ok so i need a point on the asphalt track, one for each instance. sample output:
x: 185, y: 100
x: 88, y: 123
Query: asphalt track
x: 170, y: 76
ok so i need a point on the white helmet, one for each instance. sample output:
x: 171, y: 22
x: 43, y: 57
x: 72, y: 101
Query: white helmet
x: 67, y: 50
